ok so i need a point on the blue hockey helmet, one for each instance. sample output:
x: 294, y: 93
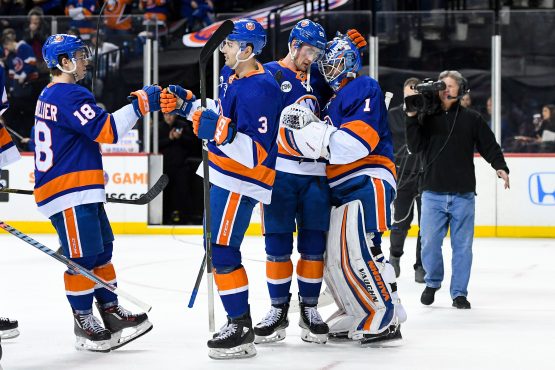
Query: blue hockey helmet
x: 248, y: 31
x: 61, y: 44
x: 307, y: 31
x: 342, y: 59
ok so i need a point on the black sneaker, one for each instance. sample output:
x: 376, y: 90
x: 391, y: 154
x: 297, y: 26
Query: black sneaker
x: 428, y: 295
x: 8, y: 328
x: 460, y: 302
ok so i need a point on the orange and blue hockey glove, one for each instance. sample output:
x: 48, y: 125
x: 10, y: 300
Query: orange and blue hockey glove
x: 176, y: 100
x: 357, y: 39
x: 145, y: 100
x: 210, y: 126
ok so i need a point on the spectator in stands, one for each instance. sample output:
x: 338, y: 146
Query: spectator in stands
x: 22, y: 72
x: 12, y: 7
x: 155, y: 11
x: 177, y: 143
x: 80, y: 12
x: 35, y: 35
x: 50, y: 7
x: 547, y: 121
x: 108, y: 62
x: 506, y: 131
x: 117, y: 17
x: 466, y: 100
x: 198, y: 13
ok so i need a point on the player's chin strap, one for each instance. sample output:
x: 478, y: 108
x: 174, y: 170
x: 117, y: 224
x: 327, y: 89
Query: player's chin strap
x: 241, y: 60
x: 293, y: 55
x: 72, y: 71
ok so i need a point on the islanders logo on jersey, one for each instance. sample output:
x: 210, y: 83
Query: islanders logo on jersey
x: 250, y: 26
x: 18, y: 64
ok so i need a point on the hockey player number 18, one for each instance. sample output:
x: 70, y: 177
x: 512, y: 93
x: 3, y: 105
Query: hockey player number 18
x: 43, y: 146
x: 85, y: 111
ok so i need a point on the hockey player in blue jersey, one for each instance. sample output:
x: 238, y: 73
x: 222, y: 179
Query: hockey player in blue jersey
x: 356, y: 140
x: 300, y: 199
x: 242, y: 153
x: 69, y: 188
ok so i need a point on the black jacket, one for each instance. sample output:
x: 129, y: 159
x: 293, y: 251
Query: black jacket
x: 448, y: 157
x: 405, y: 161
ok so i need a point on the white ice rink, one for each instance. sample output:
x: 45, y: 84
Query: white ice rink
x: 511, y: 324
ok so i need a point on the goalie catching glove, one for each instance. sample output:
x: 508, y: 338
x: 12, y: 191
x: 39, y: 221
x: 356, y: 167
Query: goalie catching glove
x: 210, y: 126
x: 176, y: 100
x: 302, y: 134
x: 145, y: 100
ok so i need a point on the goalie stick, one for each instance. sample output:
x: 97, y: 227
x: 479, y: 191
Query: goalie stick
x: 75, y: 267
x: 152, y: 193
x: 207, y: 50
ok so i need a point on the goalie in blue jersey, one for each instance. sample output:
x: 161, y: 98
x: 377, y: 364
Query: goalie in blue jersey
x: 355, y: 139
x: 69, y: 188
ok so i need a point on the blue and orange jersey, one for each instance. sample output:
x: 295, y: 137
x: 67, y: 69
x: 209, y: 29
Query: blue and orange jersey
x: 247, y: 165
x: 8, y: 151
x: 155, y: 9
x: 85, y: 26
x: 68, y: 164
x: 362, y: 145
x: 117, y: 16
x: 294, y: 88
x: 22, y: 65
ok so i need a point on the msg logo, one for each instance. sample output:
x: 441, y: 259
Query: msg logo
x: 541, y: 188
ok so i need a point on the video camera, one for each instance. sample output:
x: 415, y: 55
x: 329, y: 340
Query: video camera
x: 426, y: 99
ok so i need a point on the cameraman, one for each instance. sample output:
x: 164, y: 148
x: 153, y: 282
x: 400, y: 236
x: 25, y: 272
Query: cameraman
x: 408, y: 167
x: 447, y: 139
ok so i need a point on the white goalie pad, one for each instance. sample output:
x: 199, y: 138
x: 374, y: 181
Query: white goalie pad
x: 302, y: 134
x: 359, y: 284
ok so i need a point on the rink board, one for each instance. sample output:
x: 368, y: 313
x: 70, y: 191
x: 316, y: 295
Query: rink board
x: 526, y: 210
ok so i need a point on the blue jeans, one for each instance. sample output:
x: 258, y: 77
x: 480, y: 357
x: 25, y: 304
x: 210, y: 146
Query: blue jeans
x: 441, y: 211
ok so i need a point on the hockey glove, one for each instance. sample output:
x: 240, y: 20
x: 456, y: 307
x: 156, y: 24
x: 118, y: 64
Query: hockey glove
x: 176, y: 100
x: 209, y: 125
x: 145, y: 100
x: 357, y: 39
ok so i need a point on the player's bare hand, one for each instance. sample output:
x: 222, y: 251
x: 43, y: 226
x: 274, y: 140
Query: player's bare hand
x: 502, y: 174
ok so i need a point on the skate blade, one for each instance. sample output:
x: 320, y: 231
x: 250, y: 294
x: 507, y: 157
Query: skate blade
x: 243, y: 351
x: 339, y: 337
x: 82, y: 344
x: 391, y: 335
x: 310, y: 337
x: 9, y: 334
x: 120, y: 340
x: 274, y: 337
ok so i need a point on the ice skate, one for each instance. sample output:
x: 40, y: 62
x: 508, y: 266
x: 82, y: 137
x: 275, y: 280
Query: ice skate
x: 8, y: 328
x: 90, y: 335
x: 392, y: 333
x: 314, y: 329
x: 124, y: 325
x: 234, y: 340
x: 272, y: 327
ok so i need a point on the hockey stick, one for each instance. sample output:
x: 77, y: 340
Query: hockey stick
x: 95, y: 73
x: 75, y: 267
x: 211, y: 45
x: 152, y: 193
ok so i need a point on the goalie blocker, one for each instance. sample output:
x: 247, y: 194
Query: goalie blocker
x: 363, y: 288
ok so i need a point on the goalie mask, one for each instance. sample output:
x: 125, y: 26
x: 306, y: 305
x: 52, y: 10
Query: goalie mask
x: 341, y: 60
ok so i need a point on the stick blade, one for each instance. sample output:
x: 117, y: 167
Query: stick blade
x: 215, y: 40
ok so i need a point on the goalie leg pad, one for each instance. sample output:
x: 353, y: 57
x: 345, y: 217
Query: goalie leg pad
x: 364, y: 297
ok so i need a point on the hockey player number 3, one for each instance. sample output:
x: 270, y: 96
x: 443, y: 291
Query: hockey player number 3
x: 264, y: 128
x: 85, y: 111
x: 43, y: 147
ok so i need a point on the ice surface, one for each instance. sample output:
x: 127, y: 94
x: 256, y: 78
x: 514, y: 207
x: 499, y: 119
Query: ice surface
x: 511, y: 324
